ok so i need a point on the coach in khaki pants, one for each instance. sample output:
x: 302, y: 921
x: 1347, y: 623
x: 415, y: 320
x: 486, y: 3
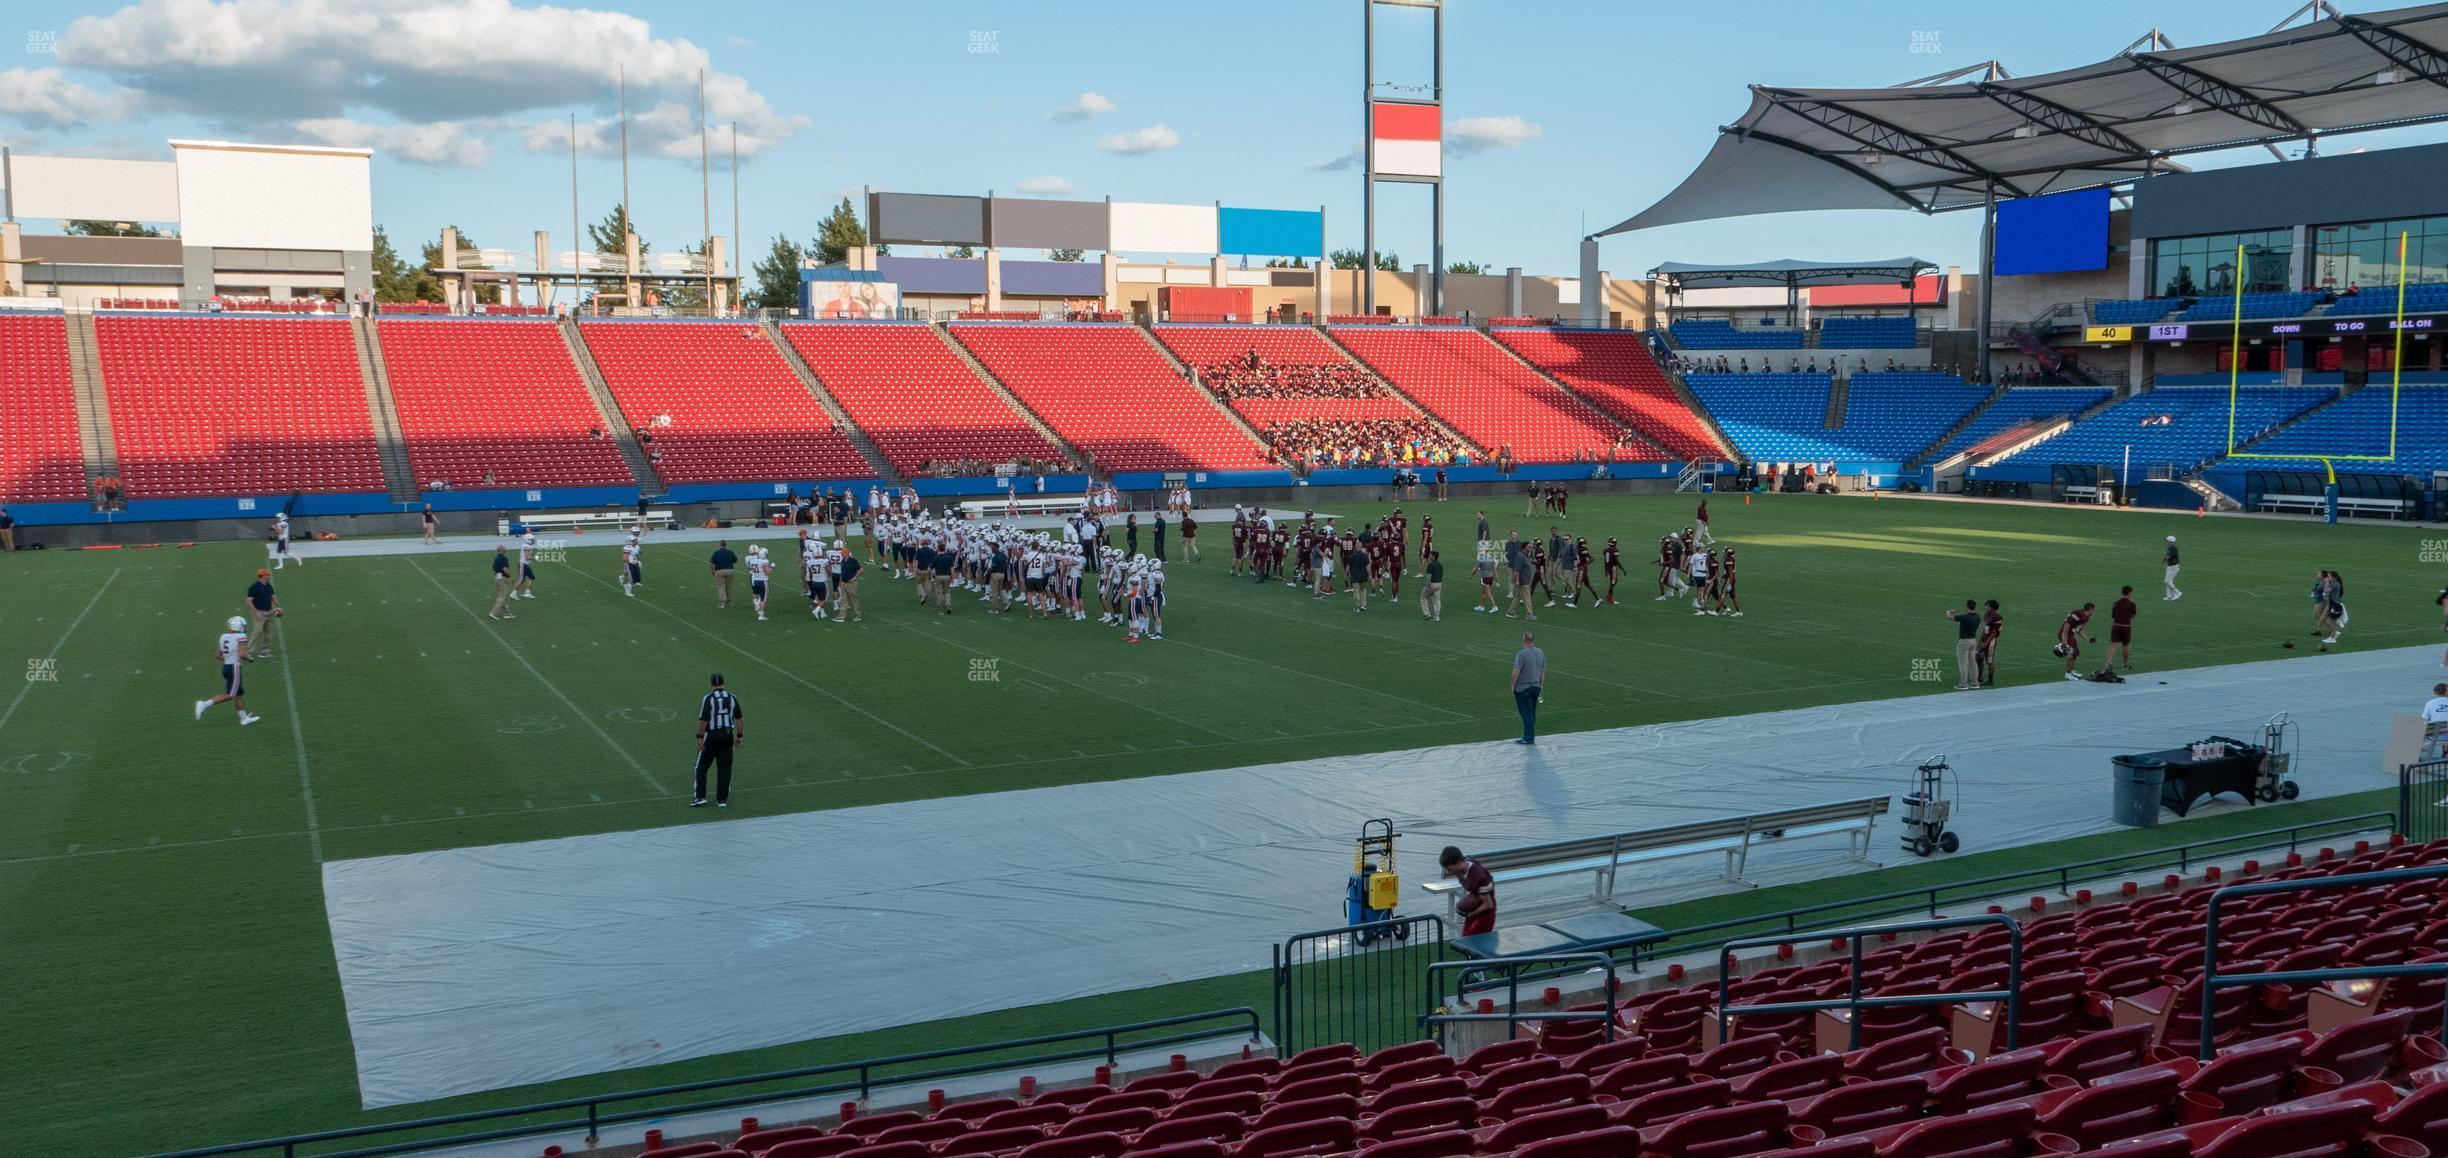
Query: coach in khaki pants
x: 1967, y: 645
x: 1432, y: 596
x: 721, y: 564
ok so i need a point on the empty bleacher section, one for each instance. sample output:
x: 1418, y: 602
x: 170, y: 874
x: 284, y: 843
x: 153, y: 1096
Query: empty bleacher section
x: 2428, y: 297
x: 41, y: 459
x: 1710, y: 334
x: 478, y: 398
x: 2133, y: 311
x: 2017, y: 407
x: 714, y: 402
x: 1897, y: 414
x: 2179, y: 426
x: 2219, y: 308
x: 237, y: 406
x: 1866, y: 333
x: 1108, y: 392
x: 1482, y: 392
x: 2358, y: 425
x: 1616, y: 370
x: 926, y: 410
x: 1889, y: 416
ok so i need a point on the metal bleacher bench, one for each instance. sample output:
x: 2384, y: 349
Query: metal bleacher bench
x: 587, y: 520
x: 1026, y: 505
x: 1732, y: 835
x: 2315, y: 504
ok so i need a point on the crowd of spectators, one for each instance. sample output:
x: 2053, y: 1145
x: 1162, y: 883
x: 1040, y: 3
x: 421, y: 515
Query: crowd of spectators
x: 1317, y: 443
x: 1251, y: 376
x: 978, y: 467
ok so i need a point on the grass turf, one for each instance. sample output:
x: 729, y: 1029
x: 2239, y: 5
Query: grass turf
x: 160, y: 906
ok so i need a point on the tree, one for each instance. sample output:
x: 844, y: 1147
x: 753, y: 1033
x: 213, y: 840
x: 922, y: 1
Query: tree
x: 607, y: 235
x: 1292, y: 263
x: 1066, y: 255
x: 963, y: 251
x: 85, y: 228
x: 1465, y: 267
x: 777, y: 276
x: 838, y: 234
x: 395, y: 280
x: 686, y: 291
x: 1387, y: 262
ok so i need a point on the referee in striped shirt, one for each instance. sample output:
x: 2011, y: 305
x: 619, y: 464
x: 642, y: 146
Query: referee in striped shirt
x: 718, y: 735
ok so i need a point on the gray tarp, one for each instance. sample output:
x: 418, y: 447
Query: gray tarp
x: 480, y: 968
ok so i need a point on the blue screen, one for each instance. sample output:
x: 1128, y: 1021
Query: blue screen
x: 2058, y: 233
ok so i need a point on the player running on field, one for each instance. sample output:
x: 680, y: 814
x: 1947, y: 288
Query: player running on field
x: 760, y: 573
x: 633, y: 572
x: 525, y: 587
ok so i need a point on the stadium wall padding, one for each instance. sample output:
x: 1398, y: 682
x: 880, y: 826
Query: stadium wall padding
x: 927, y: 219
x: 936, y: 275
x: 1027, y: 223
x: 1146, y: 227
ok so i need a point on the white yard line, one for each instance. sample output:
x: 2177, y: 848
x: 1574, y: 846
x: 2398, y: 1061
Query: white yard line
x: 549, y: 686
x: 53, y: 654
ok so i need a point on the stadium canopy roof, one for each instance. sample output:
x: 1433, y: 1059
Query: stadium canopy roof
x: 1941, y: 146
x: 1894, y: 270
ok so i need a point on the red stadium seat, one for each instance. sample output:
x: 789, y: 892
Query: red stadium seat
x: 738, y: 412
x: 1615, y: 369
x: 477, y: 396
x: 1109, y: 393
x: 42, y: 459
x: 206, y: 405
x: 914, y: 397
x: 1481, y: 391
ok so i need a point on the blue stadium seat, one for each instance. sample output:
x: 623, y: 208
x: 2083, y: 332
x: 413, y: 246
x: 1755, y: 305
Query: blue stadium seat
x: 2359, y: 425
x: 2428, y: 297
x: 2021, y: 405
x: 2280, y: 305
x: 1723, y: 335
x: 2133, y: 312
x: 1849, y: 333
x: 1889, y: 416
x: 2194, y: 430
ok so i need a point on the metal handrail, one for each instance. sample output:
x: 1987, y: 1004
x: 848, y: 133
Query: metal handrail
x: 1513, y: 1016
x: 1853, y: 1002
x: 2212, y: 982
x: 1110, y: 1048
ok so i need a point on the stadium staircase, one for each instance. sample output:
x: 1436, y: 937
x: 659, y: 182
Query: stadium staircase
x: 1920, y: 460
x: 615, y: 423
x: 1147, y: 331
x: 92, y: 402
x: 1079, y: 458
x: 2055, y: 429
x: 859, y: 441
x: 2050, y: 358
x: 1655, y: 448
x: 397, y: 474
x: 1840, y: 387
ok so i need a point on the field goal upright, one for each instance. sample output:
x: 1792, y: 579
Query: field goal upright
x: 2235, y: 366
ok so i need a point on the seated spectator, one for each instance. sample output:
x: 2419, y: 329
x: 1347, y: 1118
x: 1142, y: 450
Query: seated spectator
x: 1316, y: 443
x: 1252, y: 376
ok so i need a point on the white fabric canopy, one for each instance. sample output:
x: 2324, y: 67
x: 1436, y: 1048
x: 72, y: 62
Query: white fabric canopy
x: 1940, y: 147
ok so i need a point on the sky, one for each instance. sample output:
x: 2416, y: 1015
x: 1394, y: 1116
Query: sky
x: 1561, y: 117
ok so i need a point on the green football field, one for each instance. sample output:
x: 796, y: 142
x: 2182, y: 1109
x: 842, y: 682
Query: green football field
x: 161, y: 919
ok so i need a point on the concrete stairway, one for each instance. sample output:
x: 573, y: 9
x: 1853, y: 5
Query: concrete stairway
x: 1948, y: 435
x: 1078, y: 458
x: 92, y: 402
x: 1839, y: 389
x: 859, y: 441
x: 1585, y: 399
x: 614, y: 422
x: 393, y: 443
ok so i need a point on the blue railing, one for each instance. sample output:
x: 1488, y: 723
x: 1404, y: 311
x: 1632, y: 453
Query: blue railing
x: 2213, y: 981
x: 1853, y: 1002
x: 860, y: 1077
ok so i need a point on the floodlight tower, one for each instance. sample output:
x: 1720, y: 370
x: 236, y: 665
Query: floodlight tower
x: 1404, y: 143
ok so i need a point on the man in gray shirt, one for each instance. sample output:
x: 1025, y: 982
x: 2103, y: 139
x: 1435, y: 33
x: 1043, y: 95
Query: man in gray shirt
x: 1529, y: 673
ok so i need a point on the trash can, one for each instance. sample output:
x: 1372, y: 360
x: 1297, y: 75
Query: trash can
x: 2137, y: 782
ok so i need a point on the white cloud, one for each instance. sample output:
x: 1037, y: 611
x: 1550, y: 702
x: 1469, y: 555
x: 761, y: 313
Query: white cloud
x: 1089, y: 106
x: 1349, y: 159
x: 433, y: 143
x: 1152, y: 139
x: 1046, y: 186
x: 422, y: 72
x: 45, y: 96
x: 1472, y: 134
